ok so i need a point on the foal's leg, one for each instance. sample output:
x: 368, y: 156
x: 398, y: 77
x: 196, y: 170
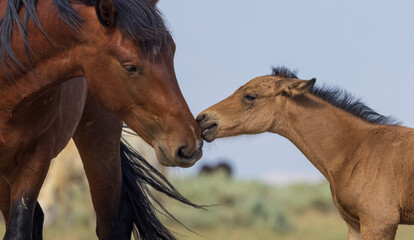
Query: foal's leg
x: 374, y: 229
x: 98, y: 141
x: 353, y: 234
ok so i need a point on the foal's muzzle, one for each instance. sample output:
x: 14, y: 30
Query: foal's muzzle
x: 208, y: 126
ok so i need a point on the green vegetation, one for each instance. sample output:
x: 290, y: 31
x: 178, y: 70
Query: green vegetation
x: 247, y: 204
x: 249, y: 210
x: 242, y: 210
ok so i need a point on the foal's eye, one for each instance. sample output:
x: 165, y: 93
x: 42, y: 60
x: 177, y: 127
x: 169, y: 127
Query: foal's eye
x: 249, y: 97
x: 130, y: 68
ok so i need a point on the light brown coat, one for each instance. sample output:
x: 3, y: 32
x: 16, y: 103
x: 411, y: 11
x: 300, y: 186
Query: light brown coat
x: 370, y: 167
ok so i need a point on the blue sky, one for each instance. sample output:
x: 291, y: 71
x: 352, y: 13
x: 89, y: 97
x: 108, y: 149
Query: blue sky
x: 365, y: 47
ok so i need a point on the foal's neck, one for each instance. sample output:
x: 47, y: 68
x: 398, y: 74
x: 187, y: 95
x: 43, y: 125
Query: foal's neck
x: 324, y: 133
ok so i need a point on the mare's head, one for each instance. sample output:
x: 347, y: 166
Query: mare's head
x: 128, y: 63
x: 255, y: 107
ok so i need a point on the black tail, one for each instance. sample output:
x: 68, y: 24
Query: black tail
x: 137, y: 210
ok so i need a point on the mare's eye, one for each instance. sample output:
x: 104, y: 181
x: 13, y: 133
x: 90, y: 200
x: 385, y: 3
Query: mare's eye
x: 130, y: 68
x: 249, y: 97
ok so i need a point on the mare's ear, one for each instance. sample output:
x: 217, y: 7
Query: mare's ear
x: 298, y: 87
x: 154, y: 1
x: 106, y: 12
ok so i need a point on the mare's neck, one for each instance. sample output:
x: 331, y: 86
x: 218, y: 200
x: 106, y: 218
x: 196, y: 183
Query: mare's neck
x: 325, y: 134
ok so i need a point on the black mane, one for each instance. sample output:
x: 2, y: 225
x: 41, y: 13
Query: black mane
x: 343, y: 100
x: 137, y: 19
x: 346, y: 101
x: 283, y: 72
x: 142, y: 21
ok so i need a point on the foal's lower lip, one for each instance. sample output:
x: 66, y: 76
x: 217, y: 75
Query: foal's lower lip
x: 206, y: 130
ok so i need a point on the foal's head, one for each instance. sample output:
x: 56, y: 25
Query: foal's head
x: 254, y: 108
x: 128, y: 63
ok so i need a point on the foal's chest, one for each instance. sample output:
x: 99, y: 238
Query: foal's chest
x: 347, y: 209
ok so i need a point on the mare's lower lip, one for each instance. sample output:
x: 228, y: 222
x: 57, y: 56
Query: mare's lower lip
x: 167, y: 161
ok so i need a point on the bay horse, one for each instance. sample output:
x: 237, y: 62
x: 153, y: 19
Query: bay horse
x: 366, y: 157
x: 78, y: 69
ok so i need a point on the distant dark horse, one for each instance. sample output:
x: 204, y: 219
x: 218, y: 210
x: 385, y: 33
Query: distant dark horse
x: 222, y: 167
x: 76, y: 69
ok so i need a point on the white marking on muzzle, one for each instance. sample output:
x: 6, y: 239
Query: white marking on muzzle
x: 198, y: 143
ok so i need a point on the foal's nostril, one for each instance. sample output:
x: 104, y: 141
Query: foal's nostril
x: 200, y: 118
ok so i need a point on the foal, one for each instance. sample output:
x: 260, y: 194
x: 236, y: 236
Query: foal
x: 366, y: 157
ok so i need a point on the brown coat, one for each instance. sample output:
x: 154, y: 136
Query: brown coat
x: 368, y: 163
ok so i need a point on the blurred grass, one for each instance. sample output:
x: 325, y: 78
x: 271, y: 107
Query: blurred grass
x: 245, y: 210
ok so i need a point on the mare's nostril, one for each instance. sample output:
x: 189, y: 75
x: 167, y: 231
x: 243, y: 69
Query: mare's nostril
x: 182, y: 153
x: 188, y: 153
x: 200, y: 118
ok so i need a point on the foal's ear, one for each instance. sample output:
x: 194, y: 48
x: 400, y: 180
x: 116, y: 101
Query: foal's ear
x: 298, y: 87
x: 106, y: 12
x: 154, y: 1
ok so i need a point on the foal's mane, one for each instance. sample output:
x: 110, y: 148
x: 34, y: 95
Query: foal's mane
x: 283, y: 72
x: 137, y: 19
x: 343, y: 100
